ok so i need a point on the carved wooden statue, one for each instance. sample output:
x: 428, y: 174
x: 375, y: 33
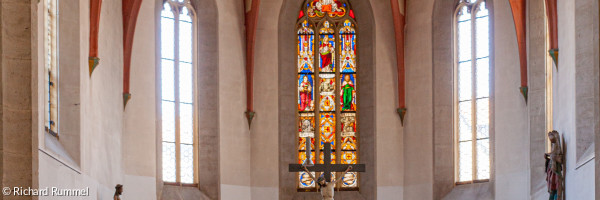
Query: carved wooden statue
x: 118, y: 192
x: 555, y: 167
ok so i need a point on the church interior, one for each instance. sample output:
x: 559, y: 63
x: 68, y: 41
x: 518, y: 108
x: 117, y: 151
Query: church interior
x: 300, y: 99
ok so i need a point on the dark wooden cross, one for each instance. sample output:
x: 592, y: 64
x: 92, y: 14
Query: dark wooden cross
x: 326, y: 168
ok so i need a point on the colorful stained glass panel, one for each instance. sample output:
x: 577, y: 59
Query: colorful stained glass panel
x: 347, y: 48
x: 320, y: 8
x: 302, y: 156
x: 349, y: 143
x: 327, y: 129
x: 322, y: 157
x: 327, y: 91
x: 348, y: 92
x: 349, y: 157
x: 327, y: 51
x: 302, y: 143
x: 306, y: 125
x: 348, y: 124
x: 305, y: 92
x: 305, y: 180
x: 350, y: 180
x: 305, y: 49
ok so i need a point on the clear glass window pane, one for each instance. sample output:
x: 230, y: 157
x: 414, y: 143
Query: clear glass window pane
x: 167, y: 33
x: 483, y: 159
x: 187, y: 163
x: 168, y: 159
x: 464, y: 37
x: 186, y: 123
x: 465, y: 164
x: 483, y: 118
x: 186, y: 83
x: 167, y: 80
x: 464, y: 121
x: 465, y: 82
x: 168, y: 121
x: 185, y: 41
x: 483, y: 77
x: 482, y: 36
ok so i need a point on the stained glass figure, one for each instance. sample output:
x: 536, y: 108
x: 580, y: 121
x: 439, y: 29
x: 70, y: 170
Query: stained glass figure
x: 327, y: 91
x: 306, y: 125
x: 327, y: 48
x: 348, y: 92
x: 348, y: 122
x: 305, y: 92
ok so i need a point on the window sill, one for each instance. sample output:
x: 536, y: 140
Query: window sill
x: 55, y: 134
x: 471, y: 182
x: 585, y: 159
x: 336, y: 189
x: 55, y: 150
x: 181, y: 184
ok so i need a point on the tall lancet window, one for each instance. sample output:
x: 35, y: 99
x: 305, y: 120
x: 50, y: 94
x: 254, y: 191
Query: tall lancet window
x: 51, y: 67
x: 178, y: 102
x: 549, y: 83
x: 472, y: 93
x: 326, y: 87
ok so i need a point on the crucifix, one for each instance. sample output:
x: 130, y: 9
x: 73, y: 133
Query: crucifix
x: 326, y: 168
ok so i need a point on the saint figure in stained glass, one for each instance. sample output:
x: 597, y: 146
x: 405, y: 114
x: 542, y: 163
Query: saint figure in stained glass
x: 348, y: 93
x: 326, y: 49
x: 305, y: 89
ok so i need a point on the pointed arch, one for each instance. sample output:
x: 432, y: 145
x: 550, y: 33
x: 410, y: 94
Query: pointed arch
x: 289, y: 124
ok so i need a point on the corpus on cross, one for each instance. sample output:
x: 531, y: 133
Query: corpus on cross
x: 327, y: 185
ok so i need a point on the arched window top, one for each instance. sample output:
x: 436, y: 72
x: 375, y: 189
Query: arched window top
x: 183, y: 7
x: 319, y: 9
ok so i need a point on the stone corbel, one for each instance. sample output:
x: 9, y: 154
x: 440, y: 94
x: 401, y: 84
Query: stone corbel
x: 93, y: 60
x: 551, y: 10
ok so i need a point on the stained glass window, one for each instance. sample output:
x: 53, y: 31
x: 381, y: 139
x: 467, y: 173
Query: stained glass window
x: 472, y: 97
x: 327, y: 93
x: 177, y: 92
x: 51, y: 67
